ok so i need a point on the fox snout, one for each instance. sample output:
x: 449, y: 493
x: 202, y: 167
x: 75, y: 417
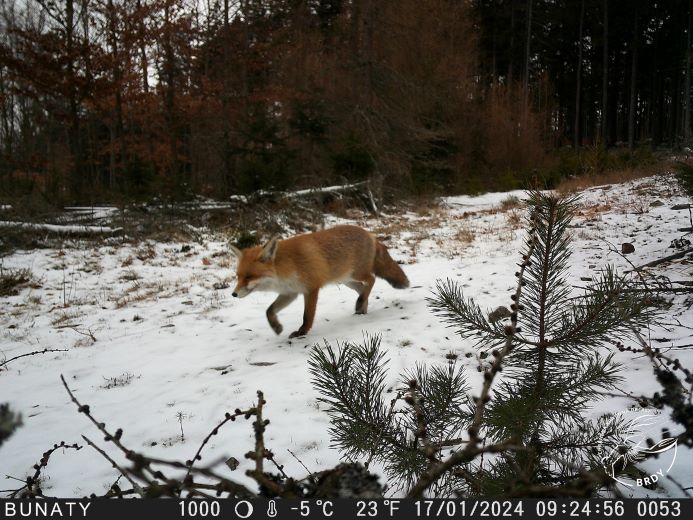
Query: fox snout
x: 241, y: 292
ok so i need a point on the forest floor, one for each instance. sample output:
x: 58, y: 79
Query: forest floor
x: 156, y: 345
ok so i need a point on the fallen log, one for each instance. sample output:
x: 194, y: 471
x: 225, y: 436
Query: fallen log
x: 654, y: 289
x: 361, y: 189
x: 63, y: 229
x: 339, y: 188
x: 654, y: 263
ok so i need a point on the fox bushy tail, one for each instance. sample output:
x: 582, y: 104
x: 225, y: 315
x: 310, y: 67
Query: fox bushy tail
x: 386, y: 268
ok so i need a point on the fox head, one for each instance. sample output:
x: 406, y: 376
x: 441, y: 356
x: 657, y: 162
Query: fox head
x: 255, y: 269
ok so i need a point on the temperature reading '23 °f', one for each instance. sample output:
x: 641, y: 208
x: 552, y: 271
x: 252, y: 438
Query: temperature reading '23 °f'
x: 369, y: 508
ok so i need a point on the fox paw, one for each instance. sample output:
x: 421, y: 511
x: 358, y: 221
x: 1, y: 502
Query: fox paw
x: 277, y: 328
x: 297, y: 334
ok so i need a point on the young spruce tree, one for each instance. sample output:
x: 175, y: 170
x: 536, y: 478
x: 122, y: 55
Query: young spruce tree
x: 527, y: 432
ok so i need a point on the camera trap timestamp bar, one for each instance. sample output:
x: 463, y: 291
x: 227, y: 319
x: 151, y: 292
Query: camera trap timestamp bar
x: 343, y: 509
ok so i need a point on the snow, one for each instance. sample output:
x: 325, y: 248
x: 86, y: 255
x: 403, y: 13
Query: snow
x: 172, y: 352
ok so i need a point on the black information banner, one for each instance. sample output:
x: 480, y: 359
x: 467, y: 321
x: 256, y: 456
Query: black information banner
x: 530, y: 509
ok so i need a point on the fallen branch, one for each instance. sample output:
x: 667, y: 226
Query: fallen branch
x: 143, y: 466
x: 227, y: 417
x: 260, y: 453
x: 45, y: 350
x: 32, y: 483
x: 654, y: 263
x: 144, y: 469
x: 135, y: 486
x: 88, y: 334
x: 310, y: 473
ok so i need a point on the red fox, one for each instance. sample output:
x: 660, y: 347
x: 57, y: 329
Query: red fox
x: 305, y: 263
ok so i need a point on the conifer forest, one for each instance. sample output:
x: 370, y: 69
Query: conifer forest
x: 109, y: 100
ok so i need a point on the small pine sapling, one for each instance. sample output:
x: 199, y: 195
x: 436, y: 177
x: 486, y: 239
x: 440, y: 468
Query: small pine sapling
x: 557, y: 366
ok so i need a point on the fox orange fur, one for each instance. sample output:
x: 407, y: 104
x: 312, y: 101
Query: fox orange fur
x: 306, y: 263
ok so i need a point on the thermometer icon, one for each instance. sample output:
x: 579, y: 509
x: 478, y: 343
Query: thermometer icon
x: 272, y: 509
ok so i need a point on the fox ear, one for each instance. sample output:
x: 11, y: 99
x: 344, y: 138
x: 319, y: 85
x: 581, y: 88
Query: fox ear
x: 235, y: 251
x: 269, y: 249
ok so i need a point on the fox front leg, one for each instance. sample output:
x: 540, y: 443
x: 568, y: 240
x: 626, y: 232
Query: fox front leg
x: 277, y: 305
x: 311, y: 302
x: 363, y: 288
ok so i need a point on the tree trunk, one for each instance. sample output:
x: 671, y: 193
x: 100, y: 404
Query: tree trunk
x: 116, y: 124
x: 494, y: 73
x: 74, y: 128
x: 7, y: 125
x: 511, y: 49
x: 245, y: 89
x: 578, y: 81
x: 369, y: 22
x: 528, y: 41
x: 633, y: 79
x: 687, y: 83
x: 169, y: 97
x: 226, y: 112
x: 605, y: 77
x: 142, y: 40
x: 362, y: 47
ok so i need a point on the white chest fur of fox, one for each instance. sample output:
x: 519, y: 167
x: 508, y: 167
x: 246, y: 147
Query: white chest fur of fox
x: 306, y: 263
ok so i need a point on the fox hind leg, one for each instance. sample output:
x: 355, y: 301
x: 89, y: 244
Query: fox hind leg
x: 277, y: 305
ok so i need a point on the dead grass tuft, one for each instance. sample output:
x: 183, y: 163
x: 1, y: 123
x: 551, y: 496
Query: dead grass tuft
x: 11, y: 280
x: 593, y: 211
x: 510, y: 202
x: 130, y: 276
x: 92, y: 265
x: 225, y: 263
x: 145, y: 252
x: 466, y: 236
x: 64, y: 319
x: 136, y: 295
x: 123, y: 379
x: 514, y: 219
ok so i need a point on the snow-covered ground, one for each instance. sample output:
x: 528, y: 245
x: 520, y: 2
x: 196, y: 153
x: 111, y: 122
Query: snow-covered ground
x: 157, y: 346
